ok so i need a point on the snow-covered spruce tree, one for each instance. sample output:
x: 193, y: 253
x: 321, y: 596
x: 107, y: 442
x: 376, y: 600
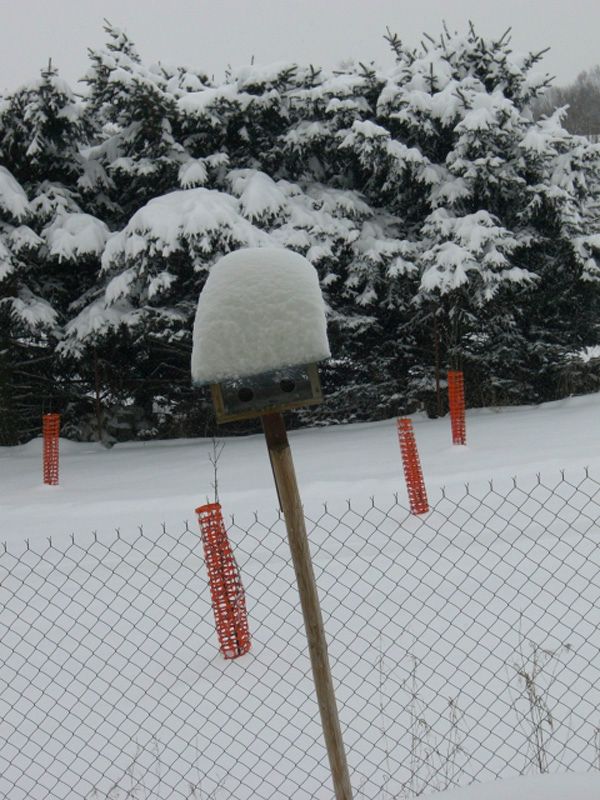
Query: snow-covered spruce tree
x: 131, y: 111
x: 280, y: 118
x: 318, y: 106
x: 239, y: 119
x: 563, y: 319
x: 39, y: 134
x: 28, y: 323
x: 41, y: 137
x: 454, y: 153
x: 443, y: 223
x: 43, y: 134
x: 224, y: 132
x: 364, y: 378
x: 154, y: 270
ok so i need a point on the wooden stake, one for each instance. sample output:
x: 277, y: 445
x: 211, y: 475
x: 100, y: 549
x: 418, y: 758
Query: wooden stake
x: 289, y: 497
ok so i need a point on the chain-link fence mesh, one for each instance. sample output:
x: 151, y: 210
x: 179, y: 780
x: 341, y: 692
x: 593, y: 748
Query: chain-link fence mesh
x: 464, y: 646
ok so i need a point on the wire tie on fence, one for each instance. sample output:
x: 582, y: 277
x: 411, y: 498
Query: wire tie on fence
x: 49, y: 540
x: 72, y: 537
x: 27, y: 543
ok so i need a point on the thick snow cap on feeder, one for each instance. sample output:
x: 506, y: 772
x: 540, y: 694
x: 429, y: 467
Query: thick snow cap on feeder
x: 260, y: 310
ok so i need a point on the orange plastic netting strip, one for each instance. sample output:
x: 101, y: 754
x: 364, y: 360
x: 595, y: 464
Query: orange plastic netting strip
x: 417, y: 494
x: 456, y: 401
x: 226, y: 590
x: 51, y: 431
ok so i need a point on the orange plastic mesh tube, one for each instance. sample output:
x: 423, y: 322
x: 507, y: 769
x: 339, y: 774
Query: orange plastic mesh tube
x: 226, y: 590
x: 456, y: 401
x: 51, y: 431
x: 417, y: 494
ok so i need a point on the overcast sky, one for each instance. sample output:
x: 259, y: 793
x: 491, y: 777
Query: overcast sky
x: 211, y: 34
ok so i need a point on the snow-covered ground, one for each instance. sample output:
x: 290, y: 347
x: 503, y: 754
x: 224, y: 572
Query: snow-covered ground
x: 111, y: 676
x: 148, y: 483
x: 541, y: 787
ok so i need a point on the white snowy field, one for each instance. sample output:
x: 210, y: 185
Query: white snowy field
x: 541, y: 787
x: 148, y: 483
x: 111, y: 684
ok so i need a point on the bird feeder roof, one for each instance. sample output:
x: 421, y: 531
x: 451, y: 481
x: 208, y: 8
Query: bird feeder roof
x: 261, y: 309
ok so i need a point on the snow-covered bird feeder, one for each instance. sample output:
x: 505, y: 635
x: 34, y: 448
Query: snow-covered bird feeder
x: 259, y: 332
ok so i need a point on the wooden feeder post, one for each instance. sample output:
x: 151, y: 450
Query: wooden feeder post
x: 289, y: 497
x: 265, y: 393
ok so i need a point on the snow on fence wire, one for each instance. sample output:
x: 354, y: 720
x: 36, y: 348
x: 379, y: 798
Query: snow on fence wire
x: 464, y: 644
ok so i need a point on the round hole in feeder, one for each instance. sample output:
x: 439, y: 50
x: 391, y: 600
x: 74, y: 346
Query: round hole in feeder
x: 245, y: 394
x: 287, y: 385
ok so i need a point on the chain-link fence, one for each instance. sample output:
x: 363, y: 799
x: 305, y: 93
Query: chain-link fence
x: 464, y: 644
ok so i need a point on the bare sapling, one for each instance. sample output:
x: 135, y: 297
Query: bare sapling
x: 536, y: 668
x: 213, y: 456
